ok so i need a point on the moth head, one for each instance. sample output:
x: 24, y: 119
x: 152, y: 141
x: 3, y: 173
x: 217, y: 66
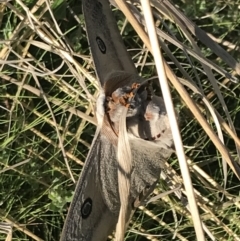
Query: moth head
x: 155, y: 107
x: 123, y: 97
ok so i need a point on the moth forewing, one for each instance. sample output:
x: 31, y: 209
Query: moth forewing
x: 108, y: 51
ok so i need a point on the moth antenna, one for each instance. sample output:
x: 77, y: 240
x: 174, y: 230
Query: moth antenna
x: 100, y: 108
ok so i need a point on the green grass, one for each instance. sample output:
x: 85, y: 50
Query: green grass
x: 35, y: 196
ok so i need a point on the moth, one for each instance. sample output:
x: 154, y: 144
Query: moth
x: 129, y: 116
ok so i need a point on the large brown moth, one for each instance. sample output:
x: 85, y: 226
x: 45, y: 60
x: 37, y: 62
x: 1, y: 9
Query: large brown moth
x: 129, y: 116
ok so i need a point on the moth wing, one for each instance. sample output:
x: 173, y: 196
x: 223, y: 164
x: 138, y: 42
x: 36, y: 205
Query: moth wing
x: 108, y: 51
x: 89, y: 218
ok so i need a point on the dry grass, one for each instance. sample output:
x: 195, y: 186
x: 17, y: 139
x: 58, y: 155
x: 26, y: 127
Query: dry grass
x: 47, y: 94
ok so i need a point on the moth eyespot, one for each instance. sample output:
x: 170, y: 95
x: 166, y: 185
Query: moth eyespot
x: 101, y: 45
x: 86, y: 208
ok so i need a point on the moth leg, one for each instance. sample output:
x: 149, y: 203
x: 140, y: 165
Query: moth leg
x: 140, y: 200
